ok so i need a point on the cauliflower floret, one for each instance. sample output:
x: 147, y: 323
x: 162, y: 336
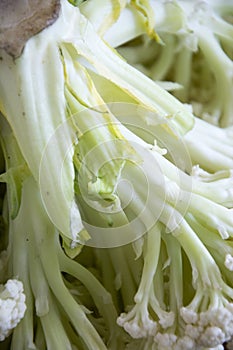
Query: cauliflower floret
x: 12, y: 306
x: 137, y: 323
x: 211, y: 328
x: 212, y: 336
x: 167, y: 341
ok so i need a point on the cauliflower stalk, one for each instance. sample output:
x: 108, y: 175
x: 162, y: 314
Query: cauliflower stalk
x: 201, y: 66
x: 199, y: 34
x: 120, y: 238
x: 50, y: 297
x: 199, y: 244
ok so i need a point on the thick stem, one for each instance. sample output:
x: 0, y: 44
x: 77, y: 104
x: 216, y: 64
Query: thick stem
x: 142, y: 88
x: 151, y: 258
x: 222, y: 67
x: 46, y: 309
x: 101, y: 297
x: 216, y: 217
x: 107, y: 273
x: 158, y: 281
x: 45, y: 236
x: 23, y: 336
x: 176, y: 273
x: 55, y: 334
x: 72, y: 308
x: 162, y: 64
x: 204, y: 268
x: 122, y: 272
x: 134, y: 262
x: 183, y: 73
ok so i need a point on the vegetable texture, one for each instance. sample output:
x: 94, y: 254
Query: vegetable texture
x: 117, y: 211
x: 12, y: 306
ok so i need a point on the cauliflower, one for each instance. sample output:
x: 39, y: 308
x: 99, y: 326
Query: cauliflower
x: 142, y: 185
x: 12, y: 306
